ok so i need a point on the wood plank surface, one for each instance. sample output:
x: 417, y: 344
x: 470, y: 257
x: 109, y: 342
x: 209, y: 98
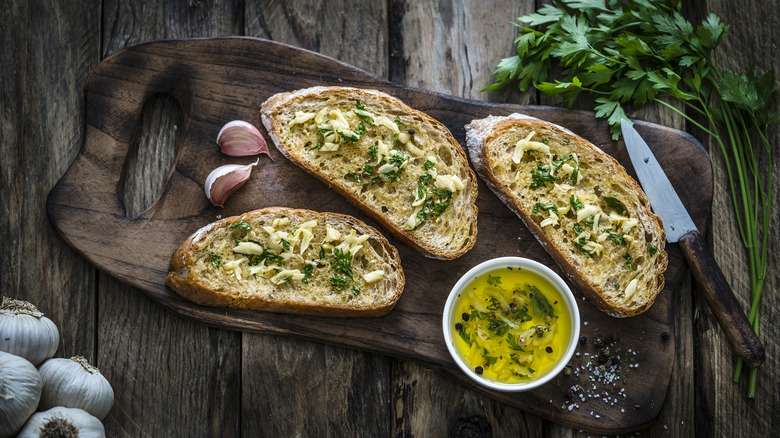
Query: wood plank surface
x: 94, y: 222
x: 335, y: 374
x: 198, y: 369
x: 721, y: 406
x: 49, y: 49
x: 37, y: 146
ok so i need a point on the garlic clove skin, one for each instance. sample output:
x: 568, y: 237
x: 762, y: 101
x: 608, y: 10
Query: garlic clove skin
x: 74, y: 383
x: 63, y: 422
x: 20, y: 391
x: 25, y: 332
x: 225, y: 180
x: 241, y: 139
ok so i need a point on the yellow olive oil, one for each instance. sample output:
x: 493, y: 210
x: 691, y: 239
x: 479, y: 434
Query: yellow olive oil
x: 511, y: 325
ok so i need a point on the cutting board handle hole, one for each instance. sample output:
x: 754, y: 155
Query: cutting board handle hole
x: 152, y: 153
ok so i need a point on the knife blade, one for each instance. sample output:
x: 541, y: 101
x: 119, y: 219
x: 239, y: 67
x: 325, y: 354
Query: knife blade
x: 679, y: 228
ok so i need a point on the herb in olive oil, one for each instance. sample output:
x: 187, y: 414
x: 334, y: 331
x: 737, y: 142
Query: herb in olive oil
x: 512, y: 324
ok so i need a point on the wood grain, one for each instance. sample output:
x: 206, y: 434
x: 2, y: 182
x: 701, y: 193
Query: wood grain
x: 721, y: 300
x: 362, y: 43
x: 192, y: 372
x: 37, y: 146
x: 452, y: 47
x: 94, y: 223
x: 752, y: 38
x: 49, y: 47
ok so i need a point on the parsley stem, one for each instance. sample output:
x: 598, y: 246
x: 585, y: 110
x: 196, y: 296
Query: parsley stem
x: 688, y: 118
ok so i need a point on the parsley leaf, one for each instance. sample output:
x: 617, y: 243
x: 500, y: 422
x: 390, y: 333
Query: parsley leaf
x: 615, y: 204
x: 339, y: 282
x: 512, y: 342
x: 652, y: 249
x: 541, y: 207
x: 539, y: 303
x: 308, y: 271
x: 493, y: 281
x: 542, y: 177
x: 342, y: 262
x: 576, y: 204
x: 240, y: 225
x: 215, y: 259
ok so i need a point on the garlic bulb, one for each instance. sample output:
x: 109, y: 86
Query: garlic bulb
x: 20, y: 390
x: 74, y: 383
x: 63, y: 422
x: 25, y: 332
x: 241, y: 139
x: 225, y: 180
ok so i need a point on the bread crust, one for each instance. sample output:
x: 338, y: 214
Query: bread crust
x: 479, y: 136
x: 187, y: 284
x: 422, y: 244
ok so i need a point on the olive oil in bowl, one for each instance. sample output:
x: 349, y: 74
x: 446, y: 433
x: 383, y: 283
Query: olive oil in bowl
x: 511, y: 324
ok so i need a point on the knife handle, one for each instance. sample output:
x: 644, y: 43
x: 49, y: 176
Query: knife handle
x: 721, y: 299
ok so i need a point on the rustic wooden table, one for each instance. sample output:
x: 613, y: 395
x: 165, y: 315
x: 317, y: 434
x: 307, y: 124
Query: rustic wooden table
x: 176, y: 377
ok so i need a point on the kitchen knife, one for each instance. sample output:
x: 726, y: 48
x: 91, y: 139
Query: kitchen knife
x: 679, y: 228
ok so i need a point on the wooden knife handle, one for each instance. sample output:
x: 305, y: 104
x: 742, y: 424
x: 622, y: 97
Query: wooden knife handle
x: 721, y: 299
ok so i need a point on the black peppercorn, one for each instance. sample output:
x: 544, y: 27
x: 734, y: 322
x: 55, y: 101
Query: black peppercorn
x: 459, y: 327
x: 465, y: 316
x: 665, y: 335
x: 584, y: 340
x: 548, y: 349
x: 478, y: 370
x: 411, y: 132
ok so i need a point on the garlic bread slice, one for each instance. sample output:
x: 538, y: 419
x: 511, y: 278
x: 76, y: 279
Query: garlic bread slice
x: 398, y: 165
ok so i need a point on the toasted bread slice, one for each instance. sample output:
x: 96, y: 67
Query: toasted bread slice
x: 398, y: 165
x: 290, y: 261
x: 579, y: 202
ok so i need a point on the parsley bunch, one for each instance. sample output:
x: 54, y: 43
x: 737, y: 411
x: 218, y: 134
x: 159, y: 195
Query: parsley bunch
x: 629, y: 53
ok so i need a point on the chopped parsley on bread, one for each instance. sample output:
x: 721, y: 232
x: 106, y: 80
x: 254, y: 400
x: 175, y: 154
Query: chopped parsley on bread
x: 579, y: 202
x: 398, y: 165
x: 289, y: 261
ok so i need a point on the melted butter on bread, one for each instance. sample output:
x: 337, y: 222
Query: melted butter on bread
x: 584, y: 208
x: 375, y: 150
x: 249, y: 262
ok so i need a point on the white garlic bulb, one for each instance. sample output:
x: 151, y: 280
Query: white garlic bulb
x: 74, y: 383
x: 25, y: 332
x: 63, y: 422
x: 20, y: 390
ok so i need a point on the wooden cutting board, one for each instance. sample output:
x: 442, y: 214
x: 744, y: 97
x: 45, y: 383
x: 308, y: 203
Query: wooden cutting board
x: 218, y: 80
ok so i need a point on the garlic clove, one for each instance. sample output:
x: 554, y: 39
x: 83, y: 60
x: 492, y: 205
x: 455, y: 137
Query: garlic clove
x: 241, y: 139
x: 74, y: 383
x: 225, y: 180
x: 25, y: 332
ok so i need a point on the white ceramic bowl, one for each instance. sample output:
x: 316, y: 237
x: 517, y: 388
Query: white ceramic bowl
x: 515, y: 262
